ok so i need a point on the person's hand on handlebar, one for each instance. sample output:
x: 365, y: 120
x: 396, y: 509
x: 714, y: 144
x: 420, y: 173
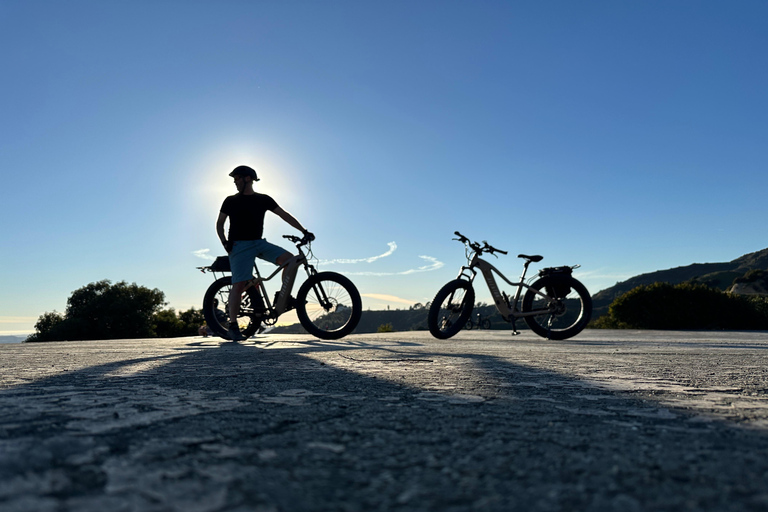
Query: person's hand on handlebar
x: 309, y: 236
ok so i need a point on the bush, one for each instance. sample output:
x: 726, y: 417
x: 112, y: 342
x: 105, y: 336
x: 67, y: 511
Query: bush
x: 752, y: 276
x: 684, y: 306
x: 385, y: 328
x: 167, y: 324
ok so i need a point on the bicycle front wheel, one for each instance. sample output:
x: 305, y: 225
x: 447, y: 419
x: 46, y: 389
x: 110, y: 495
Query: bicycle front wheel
x: 328, y: 306
x: 561, y: 317
x: 216, y: 308
x: 451, y: 309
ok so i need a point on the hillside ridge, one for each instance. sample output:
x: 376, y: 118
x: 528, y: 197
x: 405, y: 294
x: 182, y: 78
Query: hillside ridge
x: 717, y: 275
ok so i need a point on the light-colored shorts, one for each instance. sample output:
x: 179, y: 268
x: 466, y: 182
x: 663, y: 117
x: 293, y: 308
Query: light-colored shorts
x: 244, y: 252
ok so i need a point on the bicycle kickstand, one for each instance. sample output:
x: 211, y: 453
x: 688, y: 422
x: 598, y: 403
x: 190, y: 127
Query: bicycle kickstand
x: 515, y: 332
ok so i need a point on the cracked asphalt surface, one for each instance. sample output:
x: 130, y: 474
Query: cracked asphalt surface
x: 611, y: 420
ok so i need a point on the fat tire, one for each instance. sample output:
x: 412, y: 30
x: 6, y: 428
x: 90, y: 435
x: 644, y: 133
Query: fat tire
x: 573, y: 319
x: 341, y: 292
x: 218, y: 318
x: 444, y: 330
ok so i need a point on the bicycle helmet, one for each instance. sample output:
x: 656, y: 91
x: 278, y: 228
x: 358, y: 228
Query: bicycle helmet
x: 244, y: 170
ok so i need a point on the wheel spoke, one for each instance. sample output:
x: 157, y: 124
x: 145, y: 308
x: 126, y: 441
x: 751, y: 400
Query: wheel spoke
x: 216, y: 308
x: 329, y: 305
x: 562, y: 317
x: 451, y: 309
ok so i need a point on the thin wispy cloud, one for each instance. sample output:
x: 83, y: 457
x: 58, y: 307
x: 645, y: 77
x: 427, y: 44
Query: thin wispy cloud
x: 392, y: 249
x: 204, y: 254
x: 434, y: 264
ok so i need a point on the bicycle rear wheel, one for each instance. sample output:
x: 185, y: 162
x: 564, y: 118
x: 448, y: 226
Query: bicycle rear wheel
x: 561, y: 317
x: 328, y: 306
x: 451, y: 309
x: 216, y: 308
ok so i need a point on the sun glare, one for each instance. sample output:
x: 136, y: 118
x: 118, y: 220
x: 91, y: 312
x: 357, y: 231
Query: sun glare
x: 276, y: 178
x: 378, y: 300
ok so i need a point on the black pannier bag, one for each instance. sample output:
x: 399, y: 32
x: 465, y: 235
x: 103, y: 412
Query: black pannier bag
x: 221, y: 264
x: 559, y: 279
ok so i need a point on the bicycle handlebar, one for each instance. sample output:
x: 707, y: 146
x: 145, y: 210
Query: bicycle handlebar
x: 299, y: 241
x: 461, y: 238
x: 476, y: 246
x: 491, y: 249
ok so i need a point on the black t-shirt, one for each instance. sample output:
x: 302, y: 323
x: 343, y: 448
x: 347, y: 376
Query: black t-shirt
x: 246, y: 215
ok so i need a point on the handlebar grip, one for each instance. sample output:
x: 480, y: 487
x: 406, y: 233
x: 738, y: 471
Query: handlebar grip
x: 462, y: 238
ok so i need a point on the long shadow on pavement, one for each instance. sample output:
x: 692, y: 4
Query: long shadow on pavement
x: 362, y: 425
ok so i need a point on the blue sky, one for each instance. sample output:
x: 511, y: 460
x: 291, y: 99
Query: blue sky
x: 624, y: 136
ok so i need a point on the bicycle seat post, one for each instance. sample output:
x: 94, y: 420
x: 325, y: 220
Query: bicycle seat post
x: 525, y: 270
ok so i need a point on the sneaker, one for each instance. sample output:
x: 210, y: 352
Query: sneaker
x: 234, y: 334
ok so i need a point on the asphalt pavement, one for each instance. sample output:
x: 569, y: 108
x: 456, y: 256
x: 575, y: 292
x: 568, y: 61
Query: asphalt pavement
x: 611, y: 420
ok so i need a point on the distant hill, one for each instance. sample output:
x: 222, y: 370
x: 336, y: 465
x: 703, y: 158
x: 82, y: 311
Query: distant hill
x: 716, y: 275
x: 404, y: 320
x: 370, y: 321
x: 12, y: 339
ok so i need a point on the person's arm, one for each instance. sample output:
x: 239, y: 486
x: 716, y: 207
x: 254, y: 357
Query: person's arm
x: 290, y: 219
x: 220, y: 230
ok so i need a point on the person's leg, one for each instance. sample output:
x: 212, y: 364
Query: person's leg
x: 235, y: 296
x: 282, y: 259
x: 273, y: 254
x: 241, y: 262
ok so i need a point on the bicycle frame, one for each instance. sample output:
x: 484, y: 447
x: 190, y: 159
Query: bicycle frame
x: 283, y: 296
x: 501, y: 301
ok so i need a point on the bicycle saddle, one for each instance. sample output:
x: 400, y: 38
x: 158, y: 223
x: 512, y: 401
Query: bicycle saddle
x: 534, y: 259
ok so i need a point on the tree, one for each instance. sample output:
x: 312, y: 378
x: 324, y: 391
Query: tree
x: 102, y: 310
x: 52, y: 324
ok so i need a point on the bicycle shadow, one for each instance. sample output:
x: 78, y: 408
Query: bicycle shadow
x: 368, y: 423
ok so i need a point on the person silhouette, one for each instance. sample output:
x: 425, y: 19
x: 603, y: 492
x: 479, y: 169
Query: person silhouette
x: 244, y: 242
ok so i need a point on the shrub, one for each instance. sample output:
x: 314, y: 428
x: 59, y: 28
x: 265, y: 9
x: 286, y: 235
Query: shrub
x: 684, y: 306
x: 167, y: 324
x: 385, y: 328
x: 752, y: 276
